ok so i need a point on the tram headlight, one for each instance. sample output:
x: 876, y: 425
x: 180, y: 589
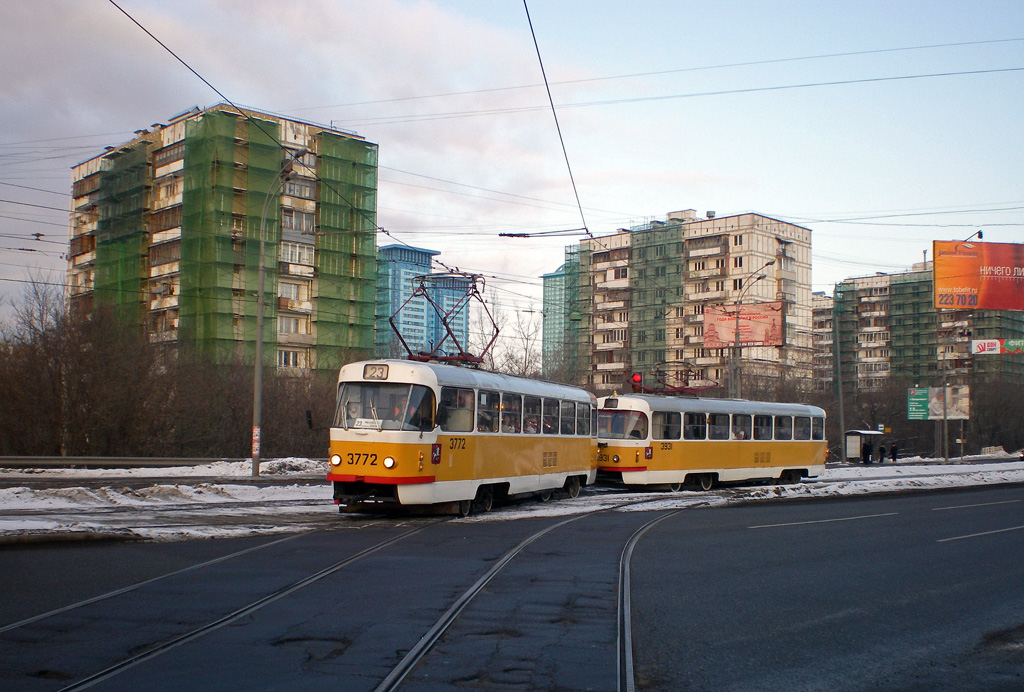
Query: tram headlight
x: 615, y: 458
x: 335, y: 460
x: 389, y: 462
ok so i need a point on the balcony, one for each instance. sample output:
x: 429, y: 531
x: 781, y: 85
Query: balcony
x: 610, y: 346
x: 611, y: 367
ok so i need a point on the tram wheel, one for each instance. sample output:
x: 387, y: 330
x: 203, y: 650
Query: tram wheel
x: 484, y: 498
x: 572, y: 486
x: 675, y: 487
x: 789, y: 477
x: 464, y: 507
x: 706, y: 480
x: 545, y: 496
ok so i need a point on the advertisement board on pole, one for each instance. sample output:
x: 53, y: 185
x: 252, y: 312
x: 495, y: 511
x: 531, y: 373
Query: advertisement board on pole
x: 987, y: 276
x: 917, y: 403
x: 760, y: 324
x: 925, y: 403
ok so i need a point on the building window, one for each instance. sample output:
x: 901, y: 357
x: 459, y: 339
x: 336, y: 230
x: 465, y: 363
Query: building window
x: 168, y: 154
x: 621, y: 272
x: 289, y: 325
x: 737, y: 262
x: 297, y: 253
x: 299, y: 187
x: 289, y: 291
x: 288, y: 359
x: 737, y: 240
x: 294, y: 220
x: 165, y: 253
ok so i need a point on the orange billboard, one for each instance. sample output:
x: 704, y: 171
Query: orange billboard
x: 987, y: 276
x: 760, y: 324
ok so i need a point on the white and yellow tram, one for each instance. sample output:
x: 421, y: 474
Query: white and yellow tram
x: 697, y: 442
x: 416, y: 433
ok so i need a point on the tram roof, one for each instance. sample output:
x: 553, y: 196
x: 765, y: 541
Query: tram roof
x: 710, y: 405
x: 455, y: 376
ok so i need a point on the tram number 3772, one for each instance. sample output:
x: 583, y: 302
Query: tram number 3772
x: 360, y: 459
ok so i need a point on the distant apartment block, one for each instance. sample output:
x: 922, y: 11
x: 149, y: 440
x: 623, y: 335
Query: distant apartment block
x: 405, y: 281
x: 890, y: 332
x: 638, y: 298
x: 167, y: 229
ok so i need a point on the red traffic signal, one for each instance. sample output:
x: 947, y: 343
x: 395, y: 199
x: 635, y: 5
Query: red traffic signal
x: 637, y: 378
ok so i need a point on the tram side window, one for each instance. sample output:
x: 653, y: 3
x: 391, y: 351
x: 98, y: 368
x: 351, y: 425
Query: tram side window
x: 695, y: 426
x: 783, y: 427
x: 511, y: 413
x: 718, y: 426
x: 488, y: 405
x: 762, y: 427
x: 741, y: 426
x: 568, y: 412
x: 531, y: 415
x: 801, y: 427
x: 583, y: 419
x: 550, y: 419
x: 455, y: 413
x: 665, y: 425
x: 817, y: 428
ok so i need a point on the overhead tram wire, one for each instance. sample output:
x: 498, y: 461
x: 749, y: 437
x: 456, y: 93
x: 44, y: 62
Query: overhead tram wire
x: 252, y: 121
x: 554, y: 113
x: 660, y: 73
x: 395, y: 120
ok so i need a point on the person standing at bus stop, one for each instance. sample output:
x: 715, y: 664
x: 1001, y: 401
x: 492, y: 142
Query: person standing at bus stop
x: 894, y: 450
x: 881, y: 454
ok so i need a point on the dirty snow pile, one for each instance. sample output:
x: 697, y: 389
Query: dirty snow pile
x: 220, y: 499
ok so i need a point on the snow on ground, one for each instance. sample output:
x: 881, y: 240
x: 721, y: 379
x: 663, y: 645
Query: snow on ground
x: 215, y: 502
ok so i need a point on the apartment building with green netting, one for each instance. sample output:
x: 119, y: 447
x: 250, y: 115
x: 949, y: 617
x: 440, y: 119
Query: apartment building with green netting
x: 166, y: 229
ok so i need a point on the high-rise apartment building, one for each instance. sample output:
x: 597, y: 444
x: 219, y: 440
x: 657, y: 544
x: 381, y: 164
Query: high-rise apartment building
x: 823, y: 337
x: 890, y: 331
x: 168, y: 229
x: 640, y: 296
x: 404, y: 283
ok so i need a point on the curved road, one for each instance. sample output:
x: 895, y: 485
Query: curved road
x: 909, y: 592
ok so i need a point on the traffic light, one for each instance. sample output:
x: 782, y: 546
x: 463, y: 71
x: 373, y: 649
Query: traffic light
x: 637, y: 380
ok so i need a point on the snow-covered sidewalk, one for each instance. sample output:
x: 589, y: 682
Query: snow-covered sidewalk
x: 221, y: 504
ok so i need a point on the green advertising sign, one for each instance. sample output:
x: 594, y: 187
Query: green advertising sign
x: 917, y: 403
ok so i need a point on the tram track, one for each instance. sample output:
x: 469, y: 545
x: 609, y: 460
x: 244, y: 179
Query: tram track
x: 415, y: 654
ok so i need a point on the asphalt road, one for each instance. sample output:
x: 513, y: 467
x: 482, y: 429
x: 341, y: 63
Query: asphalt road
x: 907, y: 592
x: 915, y: 592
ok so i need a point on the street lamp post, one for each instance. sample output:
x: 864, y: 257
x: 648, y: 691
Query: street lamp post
x: 257, y: 375
x: 735, y: 389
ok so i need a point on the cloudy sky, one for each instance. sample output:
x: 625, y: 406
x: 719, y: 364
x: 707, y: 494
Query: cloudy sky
x: 881, y: 125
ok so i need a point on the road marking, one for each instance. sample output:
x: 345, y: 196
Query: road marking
x: 976, y: 535
x: 823, y: 521
x: 983, y: 504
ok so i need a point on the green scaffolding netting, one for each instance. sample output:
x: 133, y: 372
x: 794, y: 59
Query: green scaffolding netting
x: 231, y: 165
x: 346, y: 258
x: 121, y: 230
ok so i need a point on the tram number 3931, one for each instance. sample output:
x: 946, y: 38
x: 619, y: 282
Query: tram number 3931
x: 361, y: 459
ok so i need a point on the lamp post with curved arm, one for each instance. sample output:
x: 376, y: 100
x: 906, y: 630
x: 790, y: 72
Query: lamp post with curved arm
x: 257, y: 375
x: 735, y: 390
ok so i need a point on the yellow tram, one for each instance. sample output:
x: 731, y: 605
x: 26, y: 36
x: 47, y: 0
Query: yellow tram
x: 694, y: 441
x: 418, y: 433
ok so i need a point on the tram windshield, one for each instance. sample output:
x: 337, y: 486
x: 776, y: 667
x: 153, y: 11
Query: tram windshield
x: 385, y: 406
x: 621, y: 425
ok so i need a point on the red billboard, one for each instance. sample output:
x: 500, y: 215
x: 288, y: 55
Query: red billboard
x: 987, y: 276
x: 760, y: 324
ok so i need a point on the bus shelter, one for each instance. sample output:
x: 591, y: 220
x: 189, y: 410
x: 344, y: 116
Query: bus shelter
x: 861, y: 445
